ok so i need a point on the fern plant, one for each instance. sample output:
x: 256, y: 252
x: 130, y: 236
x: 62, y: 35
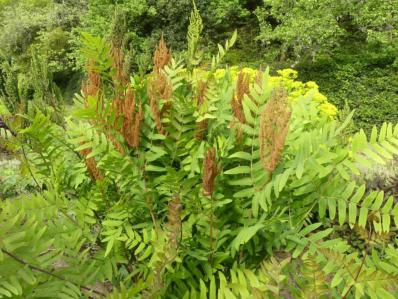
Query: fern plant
x: 175, y: 186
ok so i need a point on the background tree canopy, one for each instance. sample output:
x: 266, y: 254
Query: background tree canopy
x: 334, y: 41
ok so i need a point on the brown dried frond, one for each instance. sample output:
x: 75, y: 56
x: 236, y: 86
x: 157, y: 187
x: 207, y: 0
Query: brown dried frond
x: 91, y: 165
x: 242, y: 85
x: 162, y: 56
x: 242, y: 88
x: 163, y: 87
x: 274, y: 126
x: 210, y: 171
x: 174, y: 222
x: 201, y: 92
x: 91, y: 86
x: 135, y: 140
x: 132, y: 119
x: 126, y: 113
x: 120, y: 77
x: 201, y: 127
x: 115, y: 143
x: 159, y: 87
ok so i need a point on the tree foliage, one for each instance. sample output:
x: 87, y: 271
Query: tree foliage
x: 305, y: 28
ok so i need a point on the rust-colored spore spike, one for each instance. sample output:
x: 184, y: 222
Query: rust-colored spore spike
x: 274, y: 126
x: 159, y: 85
x: 201, y: 93
x: 91, y: 165
x: 162, y: 56
x: 91, y: 86
x: 242, y: 88
x: 120, y: 78
x: 135, y: 141
x: 155, y: 93
x: 126, y: 113
x: 210, y: 171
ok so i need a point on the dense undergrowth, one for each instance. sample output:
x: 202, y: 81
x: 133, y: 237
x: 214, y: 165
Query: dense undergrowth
x: 366, y: 78
x: 184, y: 183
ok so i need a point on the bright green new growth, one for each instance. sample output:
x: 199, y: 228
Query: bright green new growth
x: 193, y: 36
x: 149, y: 227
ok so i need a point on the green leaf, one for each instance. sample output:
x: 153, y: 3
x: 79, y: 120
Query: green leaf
x: 241, y: 155
x: 284, y: 178
x: 320, y: 235
x: 332, y: 208
x: 245, y: 234
x: 154, y: 168
x: 382, y: 152
x: 213, y: 288
x: 383, y: 131
x: 359, y: 194
x: 337, y: 279
x: 244, y: 193
x: 109, y: 246
x: 378, y: 202
x: 374, y: 156
x: 203, y: 290
x: 309, y: 228
x: 373, y: 135
x: 342, y: 208
x: 386, y: 222
x: 238, y: 170
x: 352, y: 214
x: 363, y: 216
x: 388, y: 205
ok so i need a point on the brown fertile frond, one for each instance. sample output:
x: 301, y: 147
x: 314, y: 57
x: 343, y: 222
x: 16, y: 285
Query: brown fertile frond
x: 91, y: 86
x: 210, y: 171
x: 164, y: 88
x: 115, y: 143
x: 242, y: 88
x: 153, y: 102
x: 201, y: 92
x: 201, y: 95
x: 159, y: 87
x: 91, y: 165
x: 242, y: 85
x: 135, y: 142
x: 126, y: 113
x: 162, y: 56
x: 274, y: 126
x: 132, y: 119
x: 120, y: 77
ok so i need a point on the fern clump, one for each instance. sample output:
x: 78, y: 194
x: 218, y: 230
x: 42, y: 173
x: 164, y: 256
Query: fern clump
x: 174, y: 186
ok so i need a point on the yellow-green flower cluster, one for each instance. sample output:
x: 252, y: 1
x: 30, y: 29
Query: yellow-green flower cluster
x: 286, y: 77
x: 328, y: 109
x: 288, y: 74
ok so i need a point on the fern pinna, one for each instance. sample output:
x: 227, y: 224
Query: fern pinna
x: 176, y: 185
